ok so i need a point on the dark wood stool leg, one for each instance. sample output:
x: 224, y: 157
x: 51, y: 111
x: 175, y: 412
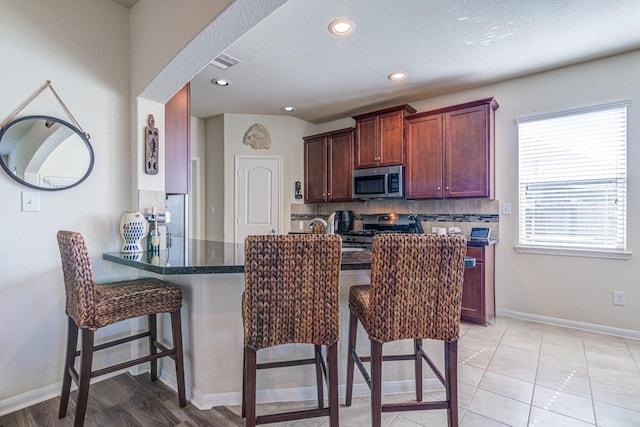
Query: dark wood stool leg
x: 244, y: 384
x: 250, y: 387
x: 176, y: 330
x: 332, y: 384
x: 69, y: 361
x: 451, y: 389
x: 153, y: 336
x: 353, y: 332
x: 86, y: 360
x: 376, y: 384
x: 417, y: 345
x: 319, y: 380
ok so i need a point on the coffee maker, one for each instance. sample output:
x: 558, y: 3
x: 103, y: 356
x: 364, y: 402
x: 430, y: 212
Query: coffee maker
x: 343, y: 221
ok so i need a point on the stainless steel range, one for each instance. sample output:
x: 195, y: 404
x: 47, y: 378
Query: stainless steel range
x: 382, y: 223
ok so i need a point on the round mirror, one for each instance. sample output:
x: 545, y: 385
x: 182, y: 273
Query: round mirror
x: 45, y: 153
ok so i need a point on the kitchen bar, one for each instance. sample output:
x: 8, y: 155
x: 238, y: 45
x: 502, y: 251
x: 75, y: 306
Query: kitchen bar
x: 209, y: 257
x: 211, y: 275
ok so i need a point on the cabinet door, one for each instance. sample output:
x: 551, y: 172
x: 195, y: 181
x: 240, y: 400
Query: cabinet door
x: 340, y: 165
x: 423, y: 172
x: 391, y: 140
x: 473, y: 292
x: 315, y: 170
x: 467, y: 152
x: 177, y: 151
x: 366, y: 142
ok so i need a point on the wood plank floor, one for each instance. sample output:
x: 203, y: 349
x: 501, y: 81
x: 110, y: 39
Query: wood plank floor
x: 125, y: 400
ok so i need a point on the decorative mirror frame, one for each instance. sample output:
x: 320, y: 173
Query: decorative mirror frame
x: 82, y: 136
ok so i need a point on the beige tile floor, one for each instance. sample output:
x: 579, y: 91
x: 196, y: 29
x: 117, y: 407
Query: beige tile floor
x: 518, y: 373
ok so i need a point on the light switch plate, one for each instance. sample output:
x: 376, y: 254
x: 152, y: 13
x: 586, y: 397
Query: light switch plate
x: 30, y: 201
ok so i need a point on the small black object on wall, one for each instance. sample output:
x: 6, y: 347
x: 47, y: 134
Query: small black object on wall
x: 298, y: 190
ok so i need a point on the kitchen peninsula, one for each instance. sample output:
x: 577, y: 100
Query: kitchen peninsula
x: 211, y: 275
x: 210, y: 257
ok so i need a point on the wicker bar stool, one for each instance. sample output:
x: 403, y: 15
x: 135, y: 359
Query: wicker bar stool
x: 291, y: 296
x: 90, y: 306
x: 415, y: 293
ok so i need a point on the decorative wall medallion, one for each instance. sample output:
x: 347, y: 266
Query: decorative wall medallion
x: 151, y: 147
x: 257, y: 136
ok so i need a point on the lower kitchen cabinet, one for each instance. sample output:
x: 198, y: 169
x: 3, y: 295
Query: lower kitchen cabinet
x: 478, y: 292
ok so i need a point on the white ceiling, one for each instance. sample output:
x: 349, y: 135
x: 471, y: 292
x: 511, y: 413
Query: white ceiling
x: 290, y: 58
x: 127, y: 3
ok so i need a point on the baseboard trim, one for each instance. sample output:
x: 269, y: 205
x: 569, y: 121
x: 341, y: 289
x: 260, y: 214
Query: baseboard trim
x: 590, y: 327
x: 207, y: 401
x: 51, y: 391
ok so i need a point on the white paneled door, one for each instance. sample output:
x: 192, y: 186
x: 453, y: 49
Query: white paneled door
x: 258, y: 195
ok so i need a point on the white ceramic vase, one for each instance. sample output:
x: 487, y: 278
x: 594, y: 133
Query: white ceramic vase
x: 133, y: 228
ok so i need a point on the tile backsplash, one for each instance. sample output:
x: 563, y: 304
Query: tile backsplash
x: 462, y: 213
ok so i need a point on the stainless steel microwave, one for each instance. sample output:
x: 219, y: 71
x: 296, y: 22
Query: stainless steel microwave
x: 377, y: 183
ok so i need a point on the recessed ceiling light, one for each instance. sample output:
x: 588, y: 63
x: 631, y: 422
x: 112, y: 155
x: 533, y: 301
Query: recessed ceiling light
x: 397, y: 75
x: 220, y: 82
x: 288, y: 108
x: 341, y: 27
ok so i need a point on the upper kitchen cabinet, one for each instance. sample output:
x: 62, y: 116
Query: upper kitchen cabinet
x: 450, y: 152
x: 379, y: 139
x: 177, y: 152
x: 328, y: 162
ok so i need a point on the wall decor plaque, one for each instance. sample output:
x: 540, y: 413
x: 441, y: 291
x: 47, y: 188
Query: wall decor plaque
x: 151, y: 147
x: 257, y: 136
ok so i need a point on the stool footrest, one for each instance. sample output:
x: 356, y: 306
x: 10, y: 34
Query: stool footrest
x: 292, y: 416
x: 413, y: 406
x: 284, y: 363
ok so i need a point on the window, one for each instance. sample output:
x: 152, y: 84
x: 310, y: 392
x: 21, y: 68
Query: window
x: 573, y: 179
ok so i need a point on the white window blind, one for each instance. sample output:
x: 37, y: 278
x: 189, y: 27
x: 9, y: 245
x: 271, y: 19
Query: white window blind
x: 573, y: 179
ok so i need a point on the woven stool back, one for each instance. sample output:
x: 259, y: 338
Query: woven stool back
x: 291, y: 289
x: 416, y: 286
x: 78, y: 279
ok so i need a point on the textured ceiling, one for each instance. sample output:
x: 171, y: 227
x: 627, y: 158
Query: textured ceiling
x: 445, y: 45
x: 126, y: 3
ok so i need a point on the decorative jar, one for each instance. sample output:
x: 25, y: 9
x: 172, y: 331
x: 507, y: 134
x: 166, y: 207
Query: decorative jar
x: 133, y: 228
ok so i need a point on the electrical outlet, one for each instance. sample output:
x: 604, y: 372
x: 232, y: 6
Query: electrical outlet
x: 300, y: 225
x: 30, y: 201
x: 506, y: 208
x: 618, y: 298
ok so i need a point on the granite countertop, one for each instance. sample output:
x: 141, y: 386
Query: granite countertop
x: 210, y: 257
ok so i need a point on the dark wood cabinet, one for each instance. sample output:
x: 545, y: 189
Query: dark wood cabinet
x: 328, y: 162
x: 379, y: 137
x: 177, y: 140
x: 450, y: 152
x: 478, y: 292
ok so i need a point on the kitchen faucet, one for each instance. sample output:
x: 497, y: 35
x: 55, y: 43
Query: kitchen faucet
x: 321, y: 222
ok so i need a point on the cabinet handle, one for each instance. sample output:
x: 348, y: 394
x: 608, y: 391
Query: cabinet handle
x: 439, y: 188
x: 328, y: 194
x: 447, y: 188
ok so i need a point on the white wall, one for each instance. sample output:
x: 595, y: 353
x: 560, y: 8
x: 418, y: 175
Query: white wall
x: 82, y: 46
x: 215, y: 181
x: 575, y: 291
x: 198, y: 196
x: 286, y: 141
x: 563, y: 287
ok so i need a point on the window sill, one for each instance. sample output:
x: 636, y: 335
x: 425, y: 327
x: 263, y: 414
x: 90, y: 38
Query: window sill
x: 588, y: 253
